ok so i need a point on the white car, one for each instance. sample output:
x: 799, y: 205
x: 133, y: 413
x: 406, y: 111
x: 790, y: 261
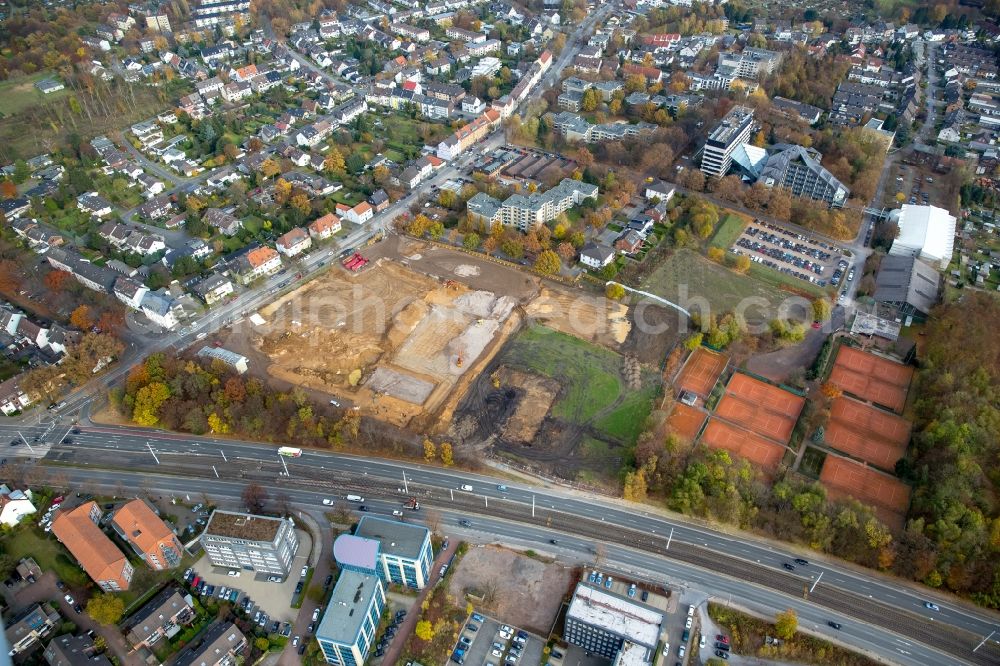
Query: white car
x: 505, y: 635
x: 666, y: 649
x: 305, y: 570
x: 234, y: 573
x: 69, y: 599
x: 687, y: 623
x: 327, y: 501
x: 701, y: 643
x: 496, y: 653
x: 691, y: 610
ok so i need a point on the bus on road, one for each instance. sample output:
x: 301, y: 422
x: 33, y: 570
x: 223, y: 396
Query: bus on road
x: 289, y: 451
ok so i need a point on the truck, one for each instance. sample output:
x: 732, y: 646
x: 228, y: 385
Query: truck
x: 289, y: 451
x: 412, y: 504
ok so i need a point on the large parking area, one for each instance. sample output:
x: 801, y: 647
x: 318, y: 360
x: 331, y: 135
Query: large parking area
x: 795, y: 254
x: 488, y: 642
x: 254, y: 591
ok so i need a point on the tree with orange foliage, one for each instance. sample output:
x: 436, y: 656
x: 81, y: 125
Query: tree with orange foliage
x: 831, y: 391
x: 81, y: 318
x: 8, y: 190
x: 56, y: 280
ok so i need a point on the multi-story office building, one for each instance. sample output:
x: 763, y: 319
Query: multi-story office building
x: 347, y: 630
x: 254, y: 543
x: 397, y: 552
x: 731, y: 132
x: 616, y: 627
x: 799, y: 170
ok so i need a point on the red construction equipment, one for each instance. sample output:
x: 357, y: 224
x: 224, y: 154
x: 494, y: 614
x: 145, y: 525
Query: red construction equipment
x: 355, y: 262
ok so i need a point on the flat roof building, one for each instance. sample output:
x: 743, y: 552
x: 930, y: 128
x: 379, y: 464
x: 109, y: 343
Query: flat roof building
x: 908, y: 285
x: 253, y: 543
x: 731, y: 132
x: 347, y: 629
x: 404, y: 550
x: 613, y: 626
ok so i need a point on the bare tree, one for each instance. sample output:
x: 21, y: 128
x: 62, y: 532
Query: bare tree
x: 283, y: 503
x: 254, y: 497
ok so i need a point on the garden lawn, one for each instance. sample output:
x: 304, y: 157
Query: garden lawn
x: 48, y: 553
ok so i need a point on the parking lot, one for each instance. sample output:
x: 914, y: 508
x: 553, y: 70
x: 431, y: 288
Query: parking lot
x: 485, y: 641
x: 268, y: 597
x: 795, y: 254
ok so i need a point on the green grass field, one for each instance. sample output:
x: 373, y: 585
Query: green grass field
x: 21, y: 93
x: 728, y: 231
x: 686, y: 278
x: 593, y: 392
x: 588, y: 373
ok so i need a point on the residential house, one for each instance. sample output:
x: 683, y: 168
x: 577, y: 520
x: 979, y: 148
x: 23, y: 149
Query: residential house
x: 594, y: 255
x: 219, y: 646
x: 629, y: 242
x: 29, y: 627
x: 77, y: 529
x: 213, y: 289
x: 129, y: 291
x: 149, y: 536
x: 12, y: 398
x: 257, y: 262
x: 379, y: 200
x: 358, y: 214
x: 324, y: 227
x: 221, y: 220
x: 163, y: 616
x: 160, y: 308
x: 661, y: 190
x: 293, y: 242
x: 70, y: 650
x: 14, y: 505
x: 93, y: 203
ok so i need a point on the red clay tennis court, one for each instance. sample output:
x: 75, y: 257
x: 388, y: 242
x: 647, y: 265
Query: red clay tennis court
x: 844, y: 478
x: 685, y: 421
x: 867, y: 433
x: 760, y: 407
x: 762, y: 452
x: 701, y: 372
x: 871, y: 377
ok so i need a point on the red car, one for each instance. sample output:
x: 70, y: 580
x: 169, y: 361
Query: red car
x: 722, y: 639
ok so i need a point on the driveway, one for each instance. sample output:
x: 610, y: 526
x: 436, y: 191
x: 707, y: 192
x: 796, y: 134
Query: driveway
x: 320, y: 561
x: 44, y: 589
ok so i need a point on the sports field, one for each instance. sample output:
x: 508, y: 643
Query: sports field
x: 867, y: 432
x: 888, y: 495
x: 759, y: 407
x: 701, y: 372
x: 872, y: 378
x: 764, y: 453
x: 686, y: 422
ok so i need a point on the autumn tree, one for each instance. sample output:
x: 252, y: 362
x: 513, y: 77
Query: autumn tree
x: 334, y: 162
x: 614, y: 291
x: 742, y: 264
x: 548, y: 263
x: 81, y: 318
x: 424, y: 630
x: 56, y: 280
x: 821, y: 309
x: 106, y: 608
x: 786, y: 623
x: 430, y: 450
x: 147, y: 403
x: 8, y: 189
x: 471, y: 241
x: 270, y: 168
x: 447, y: 455
x: 254, y: 497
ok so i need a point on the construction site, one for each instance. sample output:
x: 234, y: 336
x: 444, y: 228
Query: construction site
x: 388, y: 341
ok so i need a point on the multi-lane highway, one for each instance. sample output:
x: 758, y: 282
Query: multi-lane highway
x: 878, y: 613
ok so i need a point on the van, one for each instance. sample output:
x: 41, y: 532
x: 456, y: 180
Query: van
x: 355, y: 498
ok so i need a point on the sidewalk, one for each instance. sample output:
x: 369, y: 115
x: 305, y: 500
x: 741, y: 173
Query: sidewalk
x: 409, y: 624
